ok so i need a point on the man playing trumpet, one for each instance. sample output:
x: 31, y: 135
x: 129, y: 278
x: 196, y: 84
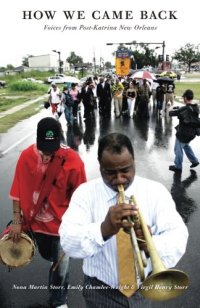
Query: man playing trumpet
x: 103, y: 213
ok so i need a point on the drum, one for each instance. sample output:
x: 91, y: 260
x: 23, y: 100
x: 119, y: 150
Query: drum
x: 16, y: 254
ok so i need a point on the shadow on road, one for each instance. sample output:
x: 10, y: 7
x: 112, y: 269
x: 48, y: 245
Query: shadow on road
x: 185, y: 205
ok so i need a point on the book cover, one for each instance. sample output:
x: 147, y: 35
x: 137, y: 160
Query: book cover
x: 93, y: 30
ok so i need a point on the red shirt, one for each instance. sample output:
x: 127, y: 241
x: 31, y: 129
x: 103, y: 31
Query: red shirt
x: 29, y: 174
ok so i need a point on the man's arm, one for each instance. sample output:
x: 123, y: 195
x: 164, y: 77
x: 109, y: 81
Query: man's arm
x: 80, y: 236
x: 16, y: 227
x: 174, y: 112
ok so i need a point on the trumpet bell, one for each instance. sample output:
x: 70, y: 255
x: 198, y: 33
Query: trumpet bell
x: 164, y: 285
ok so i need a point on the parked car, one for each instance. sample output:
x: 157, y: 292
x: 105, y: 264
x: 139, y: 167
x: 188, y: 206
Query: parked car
x: 61, y: 75
x: 168, y: 74
x: 2, y: 83
x: 56, y: 79
x: 62, y: 79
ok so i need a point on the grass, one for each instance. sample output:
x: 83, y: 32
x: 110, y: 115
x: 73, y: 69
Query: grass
x: 26, y: 86
x: 9, y: 99
x: 18, y: 92
x: 182, y: 86
x: 10, y: 120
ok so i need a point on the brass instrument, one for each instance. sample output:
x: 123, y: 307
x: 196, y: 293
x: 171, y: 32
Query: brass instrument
x: 138, y: 255
x: 162, y: 284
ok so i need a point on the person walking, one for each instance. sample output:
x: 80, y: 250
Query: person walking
x: 87, y: 97
x: 54, y: 99
x: 186, y: 131
x: 170, y: 94
x: 74, y: 92
x: 68, y: 103
x: 117, y: 91
x: 160, y: 97
x: 47, y: 173
x: 104, y: 97
x: 131, y: 94
x: 95, y: 233
x: 143, y: 103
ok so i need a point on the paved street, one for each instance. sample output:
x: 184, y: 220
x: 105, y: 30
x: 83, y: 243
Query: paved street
x: 153, y: 142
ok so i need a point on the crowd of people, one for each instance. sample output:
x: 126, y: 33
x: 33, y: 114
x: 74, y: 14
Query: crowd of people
x: 130, y: 98
x: 125, y: 97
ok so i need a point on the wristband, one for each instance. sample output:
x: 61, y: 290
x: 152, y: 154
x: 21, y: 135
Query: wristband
x: 16, y: 212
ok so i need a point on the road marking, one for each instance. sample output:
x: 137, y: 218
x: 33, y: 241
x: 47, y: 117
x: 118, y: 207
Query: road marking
x: 17, y: 143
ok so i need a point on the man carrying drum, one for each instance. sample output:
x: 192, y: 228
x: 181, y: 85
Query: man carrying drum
x: 46, y: 175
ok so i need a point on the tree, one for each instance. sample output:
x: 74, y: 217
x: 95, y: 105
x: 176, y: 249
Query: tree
x: 73, y: 59
x: 187, y: 55
x: 144, y: 58
x: 9, y: 67
x: 108, y: 65
x: 25, y: 61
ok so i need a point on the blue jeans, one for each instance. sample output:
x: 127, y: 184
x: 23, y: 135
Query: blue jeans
x: 159, y: 105
x: 178, y: 150
x: 69, y: 115
x: 50, y: 249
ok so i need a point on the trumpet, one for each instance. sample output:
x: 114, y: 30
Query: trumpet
x: 162, y: 284
x: 139, y: 255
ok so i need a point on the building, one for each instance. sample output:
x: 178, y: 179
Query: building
x: 19, y: 69
x: 47, y: 62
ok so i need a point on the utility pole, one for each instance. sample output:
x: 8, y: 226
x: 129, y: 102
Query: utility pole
x: 94, y: 60
x: 163, y: 50
x: 101, y: 67
x: 59, y: 61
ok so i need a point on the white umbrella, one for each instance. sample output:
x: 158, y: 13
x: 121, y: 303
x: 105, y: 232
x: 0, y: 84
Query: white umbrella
x: 143, y: 75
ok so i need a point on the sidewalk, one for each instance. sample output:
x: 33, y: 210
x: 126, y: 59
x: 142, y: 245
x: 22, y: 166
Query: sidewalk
x: 22, y: 106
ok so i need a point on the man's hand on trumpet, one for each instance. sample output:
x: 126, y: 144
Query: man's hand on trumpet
x: 140, y: 237
x: 116, y: 218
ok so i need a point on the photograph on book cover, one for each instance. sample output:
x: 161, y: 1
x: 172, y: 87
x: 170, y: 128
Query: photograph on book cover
x: 117, y: 67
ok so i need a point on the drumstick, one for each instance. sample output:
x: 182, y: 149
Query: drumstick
x: 58, y: 262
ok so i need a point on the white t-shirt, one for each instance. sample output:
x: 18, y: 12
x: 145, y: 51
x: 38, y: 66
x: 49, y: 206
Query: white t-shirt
x: 55, y: 96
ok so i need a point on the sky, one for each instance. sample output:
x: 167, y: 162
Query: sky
x: 39, y: 35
